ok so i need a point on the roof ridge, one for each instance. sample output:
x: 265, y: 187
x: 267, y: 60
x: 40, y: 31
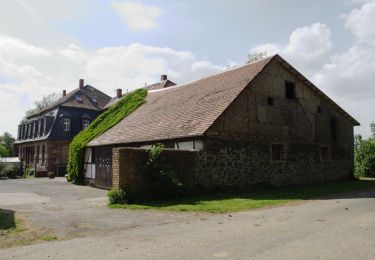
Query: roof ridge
x: 215, y: 74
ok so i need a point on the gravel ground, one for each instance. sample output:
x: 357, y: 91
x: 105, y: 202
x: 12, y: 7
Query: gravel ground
x: 341, y: 227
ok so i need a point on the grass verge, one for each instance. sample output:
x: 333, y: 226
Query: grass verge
x: 257, y: 198
x: 14, y: 232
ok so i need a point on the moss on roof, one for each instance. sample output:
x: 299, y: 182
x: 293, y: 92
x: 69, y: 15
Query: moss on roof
x: 101, y: 124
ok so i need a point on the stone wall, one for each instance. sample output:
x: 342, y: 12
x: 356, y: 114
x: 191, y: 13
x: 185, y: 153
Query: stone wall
x: 228, y: 164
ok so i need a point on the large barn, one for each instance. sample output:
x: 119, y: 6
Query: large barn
x: 262, y: 123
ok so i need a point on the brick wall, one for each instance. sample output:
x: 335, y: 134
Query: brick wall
x: 128, y: 166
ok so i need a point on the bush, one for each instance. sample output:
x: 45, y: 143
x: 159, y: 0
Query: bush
x: 163, y: 178
x: 29, y: 172
x: 364, y: 157
x: 11, y: 172
x: 117, y: 196
x: 101, y: 124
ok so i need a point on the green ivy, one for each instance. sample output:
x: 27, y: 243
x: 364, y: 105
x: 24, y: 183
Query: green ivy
x: 101, y: 124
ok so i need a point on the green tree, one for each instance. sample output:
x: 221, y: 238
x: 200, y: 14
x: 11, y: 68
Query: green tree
x: 256, y: 56
x: 364, y: 156
x: 3, y: 151
x: 42, y: 104
x: 6, y: 140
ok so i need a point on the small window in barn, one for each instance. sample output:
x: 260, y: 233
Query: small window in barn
x: 270, y: 101
x: 290, y: 90
x: 66, y: 124
x: 277, y: 152
x: 325, y: 153
x: 93, y: 99
x: 319, y: 109
x: 85, y: 123
x: 333, y: 130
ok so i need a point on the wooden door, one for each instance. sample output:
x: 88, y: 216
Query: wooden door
x: 103, y: 164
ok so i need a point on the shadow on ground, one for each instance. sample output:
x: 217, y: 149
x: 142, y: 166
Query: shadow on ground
x: 327, y: 190
x: 7, y: 219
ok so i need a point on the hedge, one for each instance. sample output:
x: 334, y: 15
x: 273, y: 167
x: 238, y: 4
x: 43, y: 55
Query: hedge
x: 101, y: 124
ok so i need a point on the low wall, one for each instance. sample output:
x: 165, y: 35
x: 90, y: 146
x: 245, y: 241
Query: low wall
x: 229, y: 164
x: 128, y: 166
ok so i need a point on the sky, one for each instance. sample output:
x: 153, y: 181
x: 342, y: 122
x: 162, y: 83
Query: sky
x: 47, y: 46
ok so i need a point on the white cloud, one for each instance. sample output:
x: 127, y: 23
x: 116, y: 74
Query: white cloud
x: 361, y: 22
x: 308, y: 47
x: 28, y: 72
x: 137, y: 16
x: 346, y: 77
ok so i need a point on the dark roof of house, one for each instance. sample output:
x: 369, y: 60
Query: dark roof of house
x: 184, y: 110
x: 87, y: 97
x: 160, y: 85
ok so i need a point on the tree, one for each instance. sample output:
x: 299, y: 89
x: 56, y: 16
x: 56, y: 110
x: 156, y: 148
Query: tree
x: 4, y: 152
x: 6, y: 141
x: 42, y: 104
x: 364, y: 156
x: 256, y: 56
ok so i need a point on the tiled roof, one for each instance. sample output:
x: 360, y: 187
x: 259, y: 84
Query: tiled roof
x: 183, y: 110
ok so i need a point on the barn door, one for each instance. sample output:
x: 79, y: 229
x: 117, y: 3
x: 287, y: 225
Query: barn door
x: 103, y: 162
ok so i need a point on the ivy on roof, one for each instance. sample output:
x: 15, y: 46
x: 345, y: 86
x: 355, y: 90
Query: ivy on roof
x: 102, y: 123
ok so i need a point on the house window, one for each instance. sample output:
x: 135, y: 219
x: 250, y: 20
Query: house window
x: 290, y: 90
x: 66, y: 124
x: 333, y: 131
x: 270, y: 101
x: 43, y: 153
x: 325, y: 153
x: 85, y: 123
x: 277, y: 152
x: 37, y: 153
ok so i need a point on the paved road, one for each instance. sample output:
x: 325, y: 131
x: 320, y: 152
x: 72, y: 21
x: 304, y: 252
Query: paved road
x: 336, y: 228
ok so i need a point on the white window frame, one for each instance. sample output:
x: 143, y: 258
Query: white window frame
x: 66, y: 124
x: 85, y: 123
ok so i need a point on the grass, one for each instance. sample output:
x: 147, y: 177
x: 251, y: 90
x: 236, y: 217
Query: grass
x: 48, y: 238
x: 257, y: 198
x: 14, y: 232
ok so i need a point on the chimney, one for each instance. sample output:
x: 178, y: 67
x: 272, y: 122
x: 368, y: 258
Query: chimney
x: 119, y: 93
x: 163, y: 77
x: 64, y: 93
x: 81, y: 83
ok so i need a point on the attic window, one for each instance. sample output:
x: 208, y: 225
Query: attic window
x: 93, y: 99
x: 290, y: 90
x: 319, y: 109
x: 79, y: 98
x: 270, y: 101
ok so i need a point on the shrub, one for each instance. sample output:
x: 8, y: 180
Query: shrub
x: 29, y: 172
x: 101, y: 124
x: 11, y: 172
x: 163, y: 178
x: 117, y: 196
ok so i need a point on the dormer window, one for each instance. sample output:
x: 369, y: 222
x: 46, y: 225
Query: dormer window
x: 66, y: 124
x: 85, y: 123
x: 93, y: 99
x: 79, y: 98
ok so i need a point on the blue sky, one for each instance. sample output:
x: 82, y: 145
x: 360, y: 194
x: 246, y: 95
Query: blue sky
x: 46, y: 46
